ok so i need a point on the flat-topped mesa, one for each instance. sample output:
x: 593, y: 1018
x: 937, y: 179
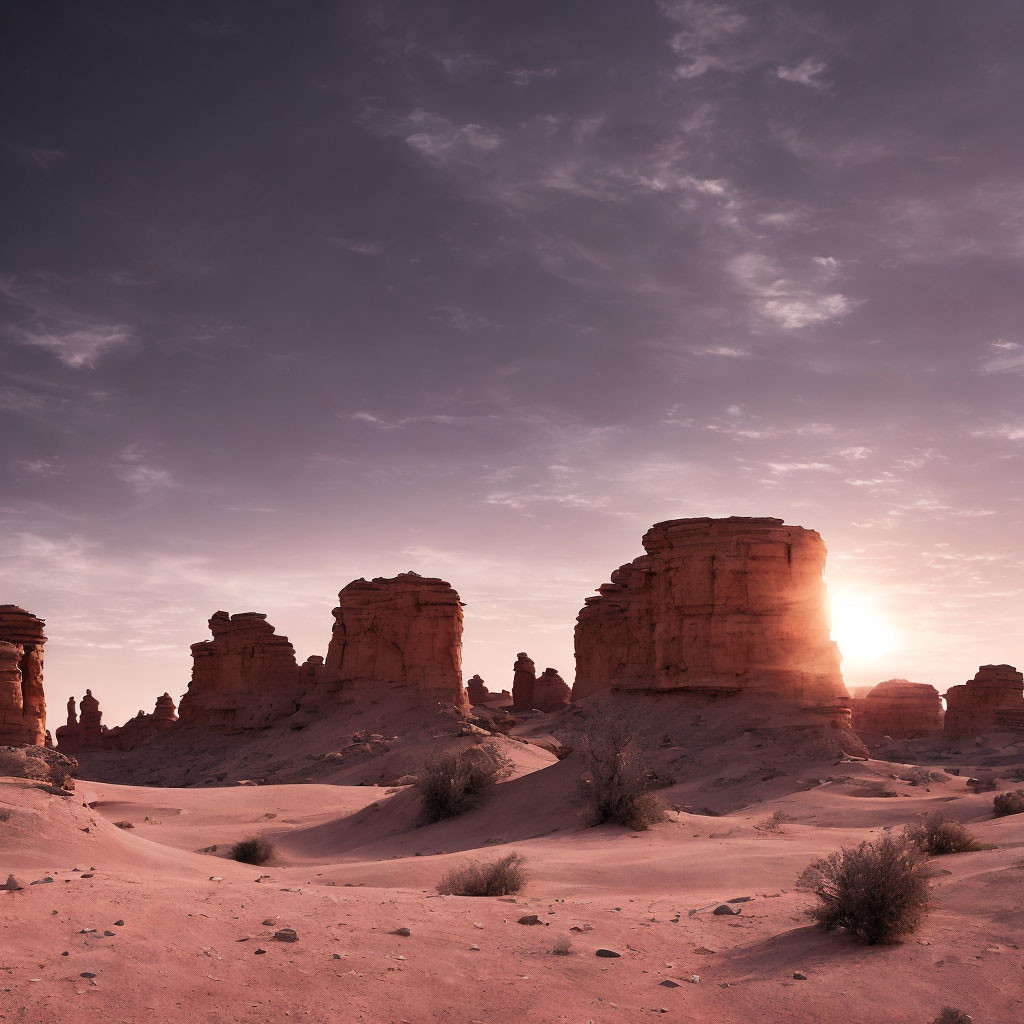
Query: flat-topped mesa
x: 992, y: 701
x: 22, y: 702
x: 401, y: 632
x: 477, y: 691
x: 551, y: 692
x: 524, y: 679
x: 245, y: 677
x: 715, y: 605
x: 900, y: 709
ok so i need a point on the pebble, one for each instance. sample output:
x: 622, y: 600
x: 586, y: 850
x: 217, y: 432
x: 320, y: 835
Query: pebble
x: 286, y: 935
x: 270, y: 922
x: 694, y: 979
x: 402, y: 931
x: 119, y: 924
x: 13, y: 884
x: 474, y: 949
x: 723, y: 909
x: 799, y: 976
x: 86, y: 931
x: 607, y: 952
x: 530, y: 919
x: 668, y: 983
x: 109, y: 933
x: 256, y: 952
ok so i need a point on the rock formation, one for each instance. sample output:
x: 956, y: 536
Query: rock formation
x: 401, y: 632
x: 715, y: 605
x: 22, y: 702
x: 900, y: 709
x: 551, y: 692
x: 524, y: 679
x: 245, y: 677
x: 88, y: 733
x: 992, y: 700
x: 477, y: 691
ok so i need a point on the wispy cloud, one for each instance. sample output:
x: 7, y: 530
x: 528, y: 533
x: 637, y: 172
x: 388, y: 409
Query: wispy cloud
x: 807, y: 72
x: 791, y: 303
x: 80, y: 347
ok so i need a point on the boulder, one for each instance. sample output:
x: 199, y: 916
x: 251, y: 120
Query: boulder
x: 992, y: 700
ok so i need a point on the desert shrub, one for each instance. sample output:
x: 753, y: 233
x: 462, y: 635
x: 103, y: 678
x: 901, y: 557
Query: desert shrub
x: 950, y: 1015
x: 774, y: 821
x: 878, y: 891
x: 256, y: 849
x: 562, y: 946
x: 621, y: 781
x: 455, y: 781
x: 936, y: 834
x: 1008, y: 803
x: 502, y: 877
x: 123, y: 824
x: 5, y: 815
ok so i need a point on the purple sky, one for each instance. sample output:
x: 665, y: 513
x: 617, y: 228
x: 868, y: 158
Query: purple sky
x: 292, y: 294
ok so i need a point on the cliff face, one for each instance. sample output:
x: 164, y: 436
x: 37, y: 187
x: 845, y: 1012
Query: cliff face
x: 992, y: 700
x: 245, y: 677
x: 22, y: 701
x: 717, y: 605
x: 400, y: 632
x: 551, y: 692
x: 900, y: 709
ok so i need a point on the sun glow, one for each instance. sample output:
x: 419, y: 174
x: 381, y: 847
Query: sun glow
x: 862, y: 632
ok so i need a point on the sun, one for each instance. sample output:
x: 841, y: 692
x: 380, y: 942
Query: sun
x: 860, y: 629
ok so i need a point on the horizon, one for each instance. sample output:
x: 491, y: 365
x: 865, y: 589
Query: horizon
x: 484, y: 294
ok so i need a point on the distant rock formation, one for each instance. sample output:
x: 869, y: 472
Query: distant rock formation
x: 715, y: 605
x: 22, y: 701
x: 551, y: 692
x: 477, y: 691
x: 524, y: 679
x: 400, y: 632
x: 991, y: 701
x: 245, y: 677
x: 900, y: 709
x: 78, y: 736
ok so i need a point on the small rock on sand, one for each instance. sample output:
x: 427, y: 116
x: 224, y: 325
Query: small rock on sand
x: 723, y: 909
x: 607, y: 952
x: 286, y: 935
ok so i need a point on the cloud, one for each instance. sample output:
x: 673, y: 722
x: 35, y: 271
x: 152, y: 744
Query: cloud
x: 791, y: 304
x: 704, y: 42
x: 524, y: 76
x: 723, y: 350
x: 441, y: 140
x: 362, y: 248
x: 1008, y: 358
x: 135, y: 468
x: 80, y: 347
x: 804, y: 73
x: 42, y: 157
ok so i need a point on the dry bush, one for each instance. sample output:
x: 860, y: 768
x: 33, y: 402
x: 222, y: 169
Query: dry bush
x: 878, y: 891
x: 455, y: 781
x: 950, y: 1015
x: 503, y: 877
x: 936, y: 834
x: 256, y: 849
x: 621, y: 779
x: 1008, y: 803
x: 774, y: 821
x: 562, y: 946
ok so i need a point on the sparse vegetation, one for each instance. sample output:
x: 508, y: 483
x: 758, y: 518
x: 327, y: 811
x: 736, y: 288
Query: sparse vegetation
x: 503, y: 877
x: 621, y: 781
x: 774, y: 821
x: 878, y: 891
x: 123, y: 824
x: 455, y: 781
x: 937, y: 834
x: 949, y: 1015
x: 562, y: 946
x: 256, y: 849
x: 5, y: 815
x: 1008, y: 803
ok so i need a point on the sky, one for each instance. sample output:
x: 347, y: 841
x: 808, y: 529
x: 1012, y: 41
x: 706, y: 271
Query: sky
x: 292, y: 294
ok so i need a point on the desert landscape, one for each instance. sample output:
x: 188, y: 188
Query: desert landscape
x: 705, y: 677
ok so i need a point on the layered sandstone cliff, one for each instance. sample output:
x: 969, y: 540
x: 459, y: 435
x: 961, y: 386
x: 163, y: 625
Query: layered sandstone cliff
x: 900, y: 709
x: 715, y: 605
x: 22, y: 702
x: 992, y: 700
x: 404, y: 632
x: 245, y: 677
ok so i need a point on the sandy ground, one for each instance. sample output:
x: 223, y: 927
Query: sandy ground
x: 352, y: 867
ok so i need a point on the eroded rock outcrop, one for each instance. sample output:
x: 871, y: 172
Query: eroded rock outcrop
x: 401, y: 632
x: 477, y: 691
x: 524, y: 679
x: 551, y: 692
x: 245, y: 677
x: 992, y: 700
x: 715, y: 605
x: 88, y: 732
x: 900, y: 709
x: 22, y: 701
x: 84, y: 731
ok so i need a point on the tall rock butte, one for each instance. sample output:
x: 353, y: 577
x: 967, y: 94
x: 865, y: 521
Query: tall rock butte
x: 403, y: 632
x: 524, y: 679
x: 245, y: 677
x: 22, y: 702
x: 729, y: 605
x: 900, y: 709
x: 990, y: 702
x: 551, y: 692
